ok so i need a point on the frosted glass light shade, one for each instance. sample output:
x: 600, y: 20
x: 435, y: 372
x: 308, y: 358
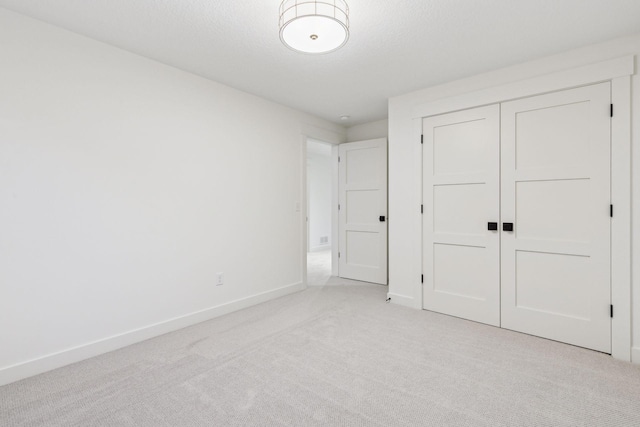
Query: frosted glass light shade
x: 314, y: 26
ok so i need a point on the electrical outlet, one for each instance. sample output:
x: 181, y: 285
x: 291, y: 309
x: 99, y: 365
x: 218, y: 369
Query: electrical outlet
x: 219, y: 279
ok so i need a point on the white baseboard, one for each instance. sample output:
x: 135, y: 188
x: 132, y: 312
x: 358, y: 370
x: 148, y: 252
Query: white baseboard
x: 49, y: 362
x: 635, y: 355
x: 401, y: 300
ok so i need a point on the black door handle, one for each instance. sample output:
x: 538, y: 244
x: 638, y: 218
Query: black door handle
x: 507, y: 226
x: 492, y: 226
x: 382, y: 218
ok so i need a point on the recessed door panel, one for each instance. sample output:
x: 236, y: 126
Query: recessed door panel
x: 449, y: 279
x: 461, y: 195
x: 552, y: 136
x: 451, y: 213
x: 362, y: 206
x: 555, y: 182
x: 361, y: 165
x: 553, y: 210
x: 459, y: 148
x: 564, y: 276
x: 361, y: 249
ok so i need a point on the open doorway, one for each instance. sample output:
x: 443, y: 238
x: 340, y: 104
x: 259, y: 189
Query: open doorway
x: 319, y: 212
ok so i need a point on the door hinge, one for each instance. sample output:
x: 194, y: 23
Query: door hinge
x: 338, y: 254
x: 422, y: 278
x: 421, y: 209
x: 611, y: 211
x: 611, y: 310
x: 338, y: 206
x: 338, y: 159
x: 421, y: 139
x: 610, y: 110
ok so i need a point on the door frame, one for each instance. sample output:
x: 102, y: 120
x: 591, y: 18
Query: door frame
x: 333, y: 138
x: 618, y: 72
x: 332, y: 153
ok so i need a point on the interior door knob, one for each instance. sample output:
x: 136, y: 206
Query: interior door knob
x: 507, y: 226
x: 382, y: 218
x: 492, y: 226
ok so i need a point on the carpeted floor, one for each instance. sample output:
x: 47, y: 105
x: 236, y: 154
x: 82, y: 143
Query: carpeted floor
x: 318, y: 267
x: 334, y: 355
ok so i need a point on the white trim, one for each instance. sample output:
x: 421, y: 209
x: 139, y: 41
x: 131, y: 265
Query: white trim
x: 635, y: 355
x: 417, y: 242
x: 335, y: 217
x: 635, y: 210
x: 574, y: 77
x: 333, y: 138
x: 76, y: 354
x: 304, y: 211
x: 320, y: 248
x: 621, y: 221
x: 322, y: 134
x: 402, y: 300
x: 617, y: 71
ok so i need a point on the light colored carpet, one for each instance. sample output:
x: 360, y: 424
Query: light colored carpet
x: 334, y: 355
x: 318, y: 267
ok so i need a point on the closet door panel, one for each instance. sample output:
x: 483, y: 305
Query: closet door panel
x: 461, y: 195
x: 555, y: 185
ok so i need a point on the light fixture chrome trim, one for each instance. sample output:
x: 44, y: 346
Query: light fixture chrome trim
x: 314, y: 27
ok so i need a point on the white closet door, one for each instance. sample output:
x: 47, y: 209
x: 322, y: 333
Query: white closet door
x: 555, y: 192
x: 461, y: 196
x: 363, y: 210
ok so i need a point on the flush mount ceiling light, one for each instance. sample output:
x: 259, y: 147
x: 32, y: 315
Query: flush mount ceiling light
x: 314, y: 26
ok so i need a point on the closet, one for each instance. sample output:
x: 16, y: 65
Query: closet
x: 516, y: 223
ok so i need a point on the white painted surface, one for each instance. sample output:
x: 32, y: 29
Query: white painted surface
x: 621, y: 254
x: 370, y: 130
x: 609, y: 69
x: 90, y: 349
x: 363, y: 211
x: 125, y: 186
x: 320, y: 193
x: 555, y: 190
x: 237, y: 43
x: 461, y: 185
x: 400, y: 300
x: 634, y: 215
x: 405, y: 191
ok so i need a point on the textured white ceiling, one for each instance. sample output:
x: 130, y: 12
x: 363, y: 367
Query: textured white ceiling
x: 395, y: 46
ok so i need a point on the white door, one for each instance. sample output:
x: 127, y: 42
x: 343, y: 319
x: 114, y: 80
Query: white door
x: 555, y: 193
x: 363, y: 211
x: 461, y: 190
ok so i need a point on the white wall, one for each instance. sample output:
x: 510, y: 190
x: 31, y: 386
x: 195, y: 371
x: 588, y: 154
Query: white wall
x: 370, y: 130
x: 320, y: 195
x: 125, y: 186
x: 405, y: 167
